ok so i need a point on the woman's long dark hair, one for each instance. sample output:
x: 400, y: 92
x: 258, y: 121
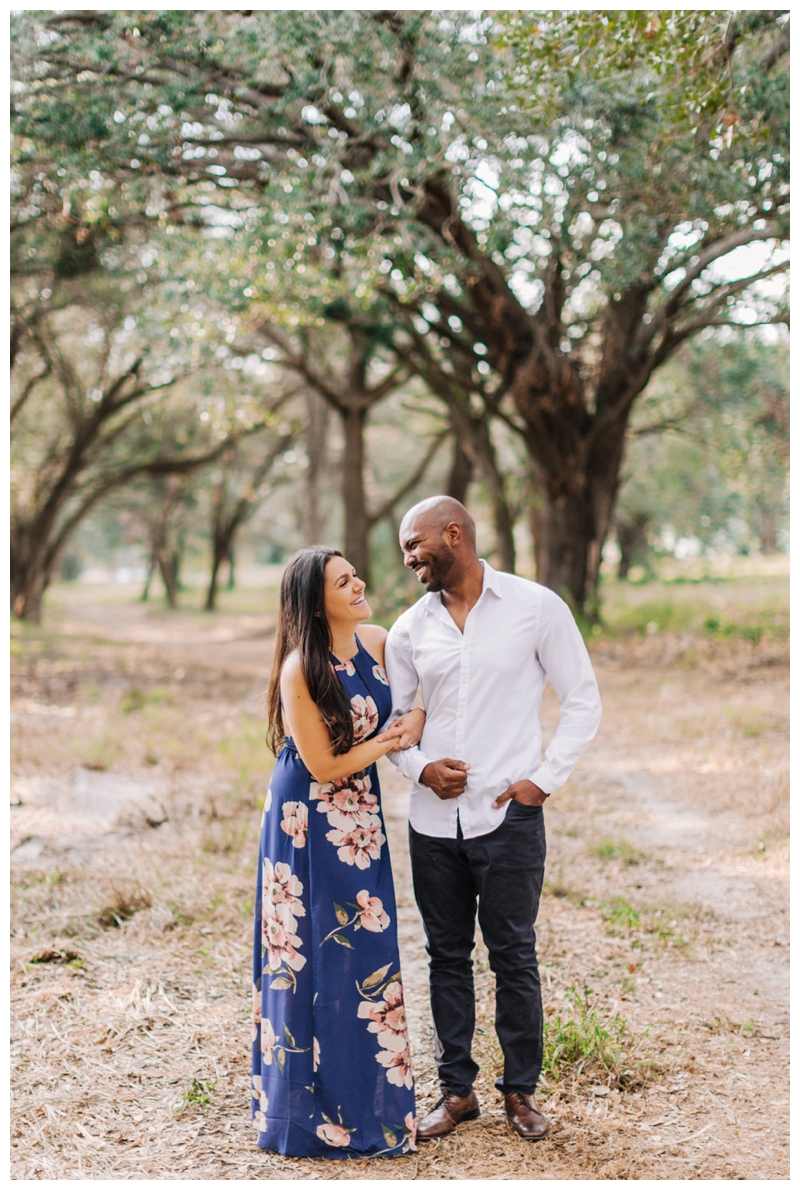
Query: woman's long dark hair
x: 302, y: 625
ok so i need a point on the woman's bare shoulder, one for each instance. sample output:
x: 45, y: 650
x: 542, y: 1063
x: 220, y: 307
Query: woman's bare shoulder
x: 292, y: 671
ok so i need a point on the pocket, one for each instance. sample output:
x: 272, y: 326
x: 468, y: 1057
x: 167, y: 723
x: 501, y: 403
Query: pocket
x: 518, y: 810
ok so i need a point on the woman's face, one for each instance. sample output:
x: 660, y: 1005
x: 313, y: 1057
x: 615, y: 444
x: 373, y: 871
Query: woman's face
x: 345, y: 604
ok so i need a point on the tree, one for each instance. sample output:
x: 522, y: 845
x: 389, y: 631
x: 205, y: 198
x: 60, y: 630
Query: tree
x: 91, y: 411
x: 563, y: 190
x: 707, y: 460
x: 351, y: 385
x: 166, y: 537
x: 238, y: 488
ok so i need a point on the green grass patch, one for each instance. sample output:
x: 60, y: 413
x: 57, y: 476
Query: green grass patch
x: 736, y: 606
x: 619, y: 916
x: 98, y: 754
x: 199, y: 1093
x: 124, y: 904
x: 243, y: 753
x: 582, y: 1042
x: 136, y: 700
x: 608, y: 849
x: 221, y: 838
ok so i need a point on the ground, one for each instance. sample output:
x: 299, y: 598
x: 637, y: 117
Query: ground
x: 139, y: 769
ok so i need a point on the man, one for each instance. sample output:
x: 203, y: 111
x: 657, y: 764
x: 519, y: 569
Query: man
x: 480, y: 646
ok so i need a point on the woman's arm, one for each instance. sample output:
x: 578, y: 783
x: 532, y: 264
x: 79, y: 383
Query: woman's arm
x: 305, y: 725
x: 408, y: 727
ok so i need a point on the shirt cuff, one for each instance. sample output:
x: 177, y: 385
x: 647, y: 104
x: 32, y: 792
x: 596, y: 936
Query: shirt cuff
x: 543, y: 777
x: 410, y: 762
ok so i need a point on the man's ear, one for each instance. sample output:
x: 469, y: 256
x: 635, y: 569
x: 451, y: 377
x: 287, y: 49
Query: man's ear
x: 453, y: 533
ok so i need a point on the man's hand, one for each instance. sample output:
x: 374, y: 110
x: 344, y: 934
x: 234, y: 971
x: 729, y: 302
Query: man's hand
x: 447, y: 778
x: 524, y: 792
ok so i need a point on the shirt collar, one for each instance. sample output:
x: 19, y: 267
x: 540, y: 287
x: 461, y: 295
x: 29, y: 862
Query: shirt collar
x: 491, y: 582
x: 491, y: 579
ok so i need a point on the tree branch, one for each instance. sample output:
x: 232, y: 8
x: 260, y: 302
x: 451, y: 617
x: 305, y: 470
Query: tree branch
x: 29, y: 387
x: 387, y: 507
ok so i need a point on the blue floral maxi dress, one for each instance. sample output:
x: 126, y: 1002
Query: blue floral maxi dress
x: 331, y: 1063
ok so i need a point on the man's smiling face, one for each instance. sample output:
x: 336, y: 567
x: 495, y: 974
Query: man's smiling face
x: 427, y: 552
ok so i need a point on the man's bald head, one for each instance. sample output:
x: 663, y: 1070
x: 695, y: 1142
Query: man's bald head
x: 437, y: 537
x: 437, y: 512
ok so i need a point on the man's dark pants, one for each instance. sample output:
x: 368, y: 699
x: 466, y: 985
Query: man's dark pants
x: 501, y: 875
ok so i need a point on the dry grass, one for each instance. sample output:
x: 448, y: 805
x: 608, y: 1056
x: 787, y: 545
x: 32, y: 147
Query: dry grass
x: 662, y: 931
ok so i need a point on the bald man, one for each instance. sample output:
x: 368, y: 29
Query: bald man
x: 480, y: 646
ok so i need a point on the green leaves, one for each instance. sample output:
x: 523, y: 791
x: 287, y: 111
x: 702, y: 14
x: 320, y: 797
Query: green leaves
x: 342, y: 916
x: 389, y: 1137
x: 281, y: 983
x: 376, y: 977
x: 340, y: 938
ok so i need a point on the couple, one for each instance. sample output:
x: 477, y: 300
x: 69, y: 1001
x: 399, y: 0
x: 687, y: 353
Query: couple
x: 331, y: 1062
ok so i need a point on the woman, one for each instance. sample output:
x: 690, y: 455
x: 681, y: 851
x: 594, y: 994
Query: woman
x: 331, y: 1067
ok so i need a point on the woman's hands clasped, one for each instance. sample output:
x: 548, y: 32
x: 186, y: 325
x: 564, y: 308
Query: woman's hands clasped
x: 405, y: 731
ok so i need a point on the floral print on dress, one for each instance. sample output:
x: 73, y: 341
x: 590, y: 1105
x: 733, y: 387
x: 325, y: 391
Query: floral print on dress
x: 373, y: 915
x: 267, y: 807
x: 258, y: 1095
x: 349, y: 796
x: 356, y: 827
x: 387, y: 1018
x: 272, y: 1048
x: 369, y: 914
x: 256, y: 1010
x: 334, y: 1134
x: 380, y: 673
x: 281, y: 906
x: 346, y: 667
x: 365, y: 716
x: 407, y: 1140
x: 295, y: 822
x: 357, y: 844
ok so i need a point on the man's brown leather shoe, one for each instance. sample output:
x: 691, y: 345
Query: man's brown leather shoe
x: 449, y: 1111
x: 524, y: 1117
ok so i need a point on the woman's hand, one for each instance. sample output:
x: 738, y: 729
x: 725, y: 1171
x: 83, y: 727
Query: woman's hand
x: 407, y: 730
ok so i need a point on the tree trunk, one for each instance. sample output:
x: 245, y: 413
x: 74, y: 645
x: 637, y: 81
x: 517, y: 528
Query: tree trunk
x: 356, y: 520
x: 461, y: 473
x: 231, y: 583
x: 631, y: 539
x: 221, y: 552
x: 767, y: 531
x: 211, y: 594
x: 503, y: 520
x: 28, y: 585
x: 33, y: 563
x: 168, y: 563
x: 475, y: 445
x: 570, y: 520
x: 564, y: 534
x: 314, y: 519
x: 151, y: 569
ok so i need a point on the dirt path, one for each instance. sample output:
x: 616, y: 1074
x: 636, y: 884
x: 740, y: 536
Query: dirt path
x: 667, y: 897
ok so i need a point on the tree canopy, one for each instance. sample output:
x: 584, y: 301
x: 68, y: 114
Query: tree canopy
x: 532, y: 211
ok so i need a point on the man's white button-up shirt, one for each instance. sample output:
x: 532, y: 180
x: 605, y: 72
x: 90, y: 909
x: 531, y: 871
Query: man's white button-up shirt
x: 482, y: 691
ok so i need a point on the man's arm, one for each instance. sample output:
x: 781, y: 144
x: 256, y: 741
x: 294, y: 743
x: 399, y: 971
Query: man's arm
x: 565, y: 660
x: 403, y: 683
